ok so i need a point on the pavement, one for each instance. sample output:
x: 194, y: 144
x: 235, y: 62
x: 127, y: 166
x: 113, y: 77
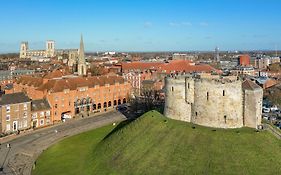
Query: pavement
x: 26, y: 148
x: 273, y: 130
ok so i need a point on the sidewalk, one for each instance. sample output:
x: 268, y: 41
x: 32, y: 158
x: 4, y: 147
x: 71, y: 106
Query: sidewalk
x: 11, y: 137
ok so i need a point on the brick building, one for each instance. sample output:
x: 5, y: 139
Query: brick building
x: 138, y: 72
x: 69, y: 95
x: 40, y: 113
x: 15, y: 110
x: 244, y: 60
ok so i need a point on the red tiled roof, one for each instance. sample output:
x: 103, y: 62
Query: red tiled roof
x: 30, y: 81
x: 185, y: 66
x: 249, y: 85
x: 172, y: 66
x: 58, y: 85
x: 140, y: 65
x: 55, y: 74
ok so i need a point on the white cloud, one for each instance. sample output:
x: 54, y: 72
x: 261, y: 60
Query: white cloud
x: 203, y: 24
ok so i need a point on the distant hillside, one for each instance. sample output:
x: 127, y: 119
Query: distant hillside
x: 156, y: 145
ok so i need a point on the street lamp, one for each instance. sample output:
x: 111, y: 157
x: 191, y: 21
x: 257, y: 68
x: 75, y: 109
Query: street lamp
x: 2, y: 167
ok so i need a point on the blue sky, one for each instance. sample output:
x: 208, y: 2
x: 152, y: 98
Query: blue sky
x: 141, y: 25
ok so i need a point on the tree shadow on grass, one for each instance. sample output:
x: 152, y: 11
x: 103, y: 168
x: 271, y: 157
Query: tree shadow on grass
x: 119, y: 127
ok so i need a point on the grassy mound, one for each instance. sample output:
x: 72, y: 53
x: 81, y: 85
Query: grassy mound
x: 156, y: 145
x: 71, y: 155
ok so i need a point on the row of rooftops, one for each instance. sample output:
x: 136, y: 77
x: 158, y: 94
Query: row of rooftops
x: 58, y: 85
x: 57, y: 81
x: 169, y: 67
x: 20, y: 97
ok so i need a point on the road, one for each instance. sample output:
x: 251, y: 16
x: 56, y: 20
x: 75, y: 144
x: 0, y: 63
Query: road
x: 25, y: 149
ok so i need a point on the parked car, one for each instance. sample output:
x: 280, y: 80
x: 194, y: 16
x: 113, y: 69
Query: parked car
x: 274, y: 108
x: 265, y: 110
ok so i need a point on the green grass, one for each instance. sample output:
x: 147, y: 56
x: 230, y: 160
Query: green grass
x: 150, y: 145
x: 70, y: 155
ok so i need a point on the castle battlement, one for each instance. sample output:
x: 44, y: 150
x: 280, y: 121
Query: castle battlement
x: 213, y: 100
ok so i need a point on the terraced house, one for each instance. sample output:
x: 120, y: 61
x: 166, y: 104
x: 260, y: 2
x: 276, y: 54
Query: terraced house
x: 40, y: 113
x: 69, y: 95
x: 15, y: 110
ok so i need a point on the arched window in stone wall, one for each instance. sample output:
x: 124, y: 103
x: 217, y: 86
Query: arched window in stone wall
x: 94, y: 106
x: 172, y: 89
x: 223, y: 93
x: 207, y: 96
x: 224, y: 119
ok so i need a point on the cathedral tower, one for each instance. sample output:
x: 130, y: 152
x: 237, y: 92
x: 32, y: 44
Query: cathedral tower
x: 23, y: 49
x: 50, y: 48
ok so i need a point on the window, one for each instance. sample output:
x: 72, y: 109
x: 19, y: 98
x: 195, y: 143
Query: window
x: 34, y: 115
x: 24, y: 114
x: 56, y: 105
x: 172, y: 89
x: 207, y: 96
x: 25, y: 106
x: 8, y: 117
x: 48, y: 113
x: 188, y: 85
x: 41, y: 114
x: 8, y: 127
x: 223, y: 93
x: 25, y: 123
x: 224, y: 119
x: 8, y: 109
x: 41, y: 122
x: 196, y: 114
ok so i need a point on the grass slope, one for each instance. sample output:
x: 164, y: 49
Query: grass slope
x: 152, y: 146
x: 157, y: 145
x: 71, y: 155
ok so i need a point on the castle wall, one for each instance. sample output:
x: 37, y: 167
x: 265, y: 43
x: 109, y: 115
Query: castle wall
x: 253, y: 107
x: 218, y: 104
x: 175, y: 105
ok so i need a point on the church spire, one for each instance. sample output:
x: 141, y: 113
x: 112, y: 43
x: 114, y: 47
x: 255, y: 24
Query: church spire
x: 82, y: 67
x: 81, y: 51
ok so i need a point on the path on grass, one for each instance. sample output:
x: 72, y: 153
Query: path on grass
x: 26, y: 149
x: 273, y: 130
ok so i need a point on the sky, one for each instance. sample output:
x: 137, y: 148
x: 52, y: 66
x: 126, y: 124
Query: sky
x: 141, y: 25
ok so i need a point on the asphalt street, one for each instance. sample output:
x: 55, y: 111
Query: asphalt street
x: 24, y: 150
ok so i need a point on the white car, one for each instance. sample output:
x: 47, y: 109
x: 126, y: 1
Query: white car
x: 266, y: 110
x: 274, y: 108
x: 66, y: 116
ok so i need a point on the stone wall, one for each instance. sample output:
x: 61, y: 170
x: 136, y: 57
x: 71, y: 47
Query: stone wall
x: 253, y: 107
x: 175, y: 105
x: 212, y: 101
x: 218, y: 103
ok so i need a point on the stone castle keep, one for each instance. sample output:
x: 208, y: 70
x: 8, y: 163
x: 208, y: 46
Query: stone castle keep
x: 214, y: 101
